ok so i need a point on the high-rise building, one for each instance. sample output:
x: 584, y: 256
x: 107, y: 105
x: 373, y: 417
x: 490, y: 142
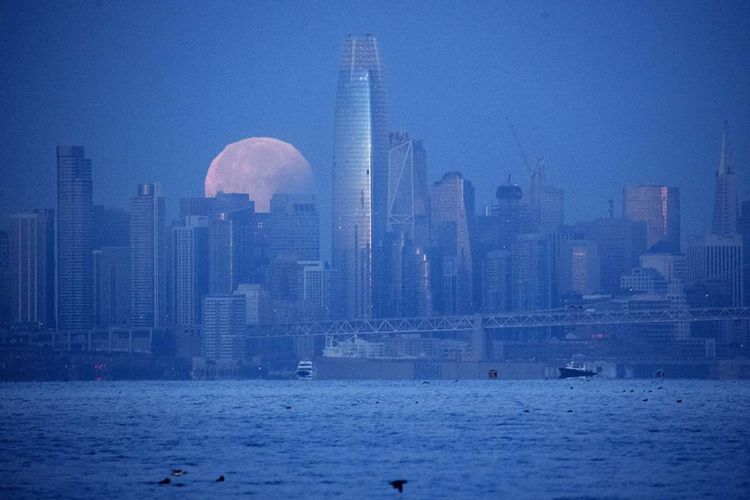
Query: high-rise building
x: 620, y: 243
x: 716, y: 261
x: 360, y: 173
x: 147, y: 258
x: 5, y: 287
x: 578, y: 266
x: 190, y: 274
x: 497, y: 281
x: 659, y: 208
x: 224, y: 320
x: 725, y: 201
x: 546, y: 204
x: 74, y: 239
x: 452, y: 212
x: 294, y: 226
x: 111, y: 286
x: 532, y: 272
x: 196, y: 206
x: 408, y: 195
x: 32, y: 264
x: 111, y: 227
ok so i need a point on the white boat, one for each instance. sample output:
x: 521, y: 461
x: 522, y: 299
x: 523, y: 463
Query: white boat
x: 305, y: 370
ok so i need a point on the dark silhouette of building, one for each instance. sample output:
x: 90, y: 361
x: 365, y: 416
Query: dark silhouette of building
x: 147, y: 258
x: 74, y: 239
x: 659, y: 208
x: 32, y: 253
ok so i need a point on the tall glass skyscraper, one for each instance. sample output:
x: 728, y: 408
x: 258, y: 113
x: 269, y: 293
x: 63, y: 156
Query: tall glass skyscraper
x: 360, y: 174
x: 74, y: 239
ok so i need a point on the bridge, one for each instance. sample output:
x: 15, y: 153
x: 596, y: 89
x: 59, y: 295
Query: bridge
x: 124, y: 340
x: 480, y: 322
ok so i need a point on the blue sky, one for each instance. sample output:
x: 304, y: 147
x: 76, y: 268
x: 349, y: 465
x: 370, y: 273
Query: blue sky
x: 610, y: 93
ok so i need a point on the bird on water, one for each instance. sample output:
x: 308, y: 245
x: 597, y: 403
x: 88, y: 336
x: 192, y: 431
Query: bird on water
x: 398, y: 484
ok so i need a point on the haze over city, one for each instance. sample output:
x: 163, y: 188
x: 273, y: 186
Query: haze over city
x: 450, y: 249
x: 610, y: 95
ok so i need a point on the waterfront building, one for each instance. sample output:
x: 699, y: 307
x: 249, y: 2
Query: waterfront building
x: 360, y: 173
x: 74, y: 239
x: 147, y: 258
x: 659, y: 208
x: 224, y: 320
x: 32, y: 265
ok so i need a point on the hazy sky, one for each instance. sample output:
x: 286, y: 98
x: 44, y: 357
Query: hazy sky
x: 611, y: 93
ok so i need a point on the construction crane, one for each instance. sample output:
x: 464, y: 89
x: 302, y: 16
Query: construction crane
x: 536, y: 173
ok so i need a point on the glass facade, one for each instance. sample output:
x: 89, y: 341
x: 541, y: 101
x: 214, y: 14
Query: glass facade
x: 74, y: 239
x: 360, y: 174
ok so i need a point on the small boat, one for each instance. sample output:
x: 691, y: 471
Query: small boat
x: 305, y: 370
x: 572, y: 370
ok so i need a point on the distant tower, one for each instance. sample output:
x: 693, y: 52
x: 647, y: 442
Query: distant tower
x: 74, y: 239
x: 545, y: 203
x: 147, y: 255
x: 224, y: 322
x: 360, y: 173
x: 32, y: 257
x: 408, y: 195
x: 725, y: 202
x: 190, y: 273
x: 452, y: 220
x: 659, y: 208
x: 294, y: 226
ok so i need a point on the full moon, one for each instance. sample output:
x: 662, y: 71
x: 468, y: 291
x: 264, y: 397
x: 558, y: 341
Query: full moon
x: 260, y: 167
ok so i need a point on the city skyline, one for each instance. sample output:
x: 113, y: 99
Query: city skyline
x: 462, y: 130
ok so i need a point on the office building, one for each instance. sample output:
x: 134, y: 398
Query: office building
x: 224, y: 320
x: 111, y: 286
x: 659, y: 208
x: 452, y: 212
x: 190, y: 261
x: 294, y: 226
x: 360, y: 173
x: 32, y: 266
x: 715, y: 261
x: 111, y: 227
x: 74, y: 239
x: 147, y: 258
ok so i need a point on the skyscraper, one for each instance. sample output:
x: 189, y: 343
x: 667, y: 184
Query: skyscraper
x: 74, y: 239
x: 659, y: 208
x: 112, y: 286
x: 223, y: 324
x: 408, y: 195
x: 717, y: 260
x: 360, y: 173
x: 147, y: 258
x: 190, y: 275
x: 452, y: 202
x: 32, y: 257
x: 294, y: 226
x: 725, y: 201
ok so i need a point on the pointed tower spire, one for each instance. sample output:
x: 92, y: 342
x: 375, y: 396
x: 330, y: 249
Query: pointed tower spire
x: 725, y: 200
x: 725, y: 161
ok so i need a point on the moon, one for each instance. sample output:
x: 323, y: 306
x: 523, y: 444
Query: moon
x: 260, y: 167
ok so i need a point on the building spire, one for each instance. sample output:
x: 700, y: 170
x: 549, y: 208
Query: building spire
x: 725, y: 160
